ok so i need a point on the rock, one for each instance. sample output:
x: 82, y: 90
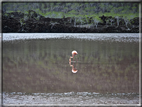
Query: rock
x: 103, y: 19
x: 10, y: 25
x: 135, y: 28
x: 36, y: 23
x: 15, y: 15
x: 135, y: 21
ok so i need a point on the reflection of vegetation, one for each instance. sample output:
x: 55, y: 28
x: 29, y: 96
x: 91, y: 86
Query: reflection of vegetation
x: 104, y: 66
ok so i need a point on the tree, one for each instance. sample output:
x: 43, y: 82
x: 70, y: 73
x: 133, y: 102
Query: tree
x: 96, y: 21
x: 51, y: 6
x: 111, y: 20
x: 126, y: 21
x: 117, y: 17
x: 102, y: 6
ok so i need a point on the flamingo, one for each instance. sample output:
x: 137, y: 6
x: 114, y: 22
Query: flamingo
x: 74, y: 70
x: 73, y: 53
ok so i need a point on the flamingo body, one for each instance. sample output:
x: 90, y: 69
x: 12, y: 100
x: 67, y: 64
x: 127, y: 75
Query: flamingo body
x: 74, y: 53
x: 74, y: 70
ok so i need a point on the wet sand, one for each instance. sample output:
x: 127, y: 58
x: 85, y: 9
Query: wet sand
x: 71, y: 98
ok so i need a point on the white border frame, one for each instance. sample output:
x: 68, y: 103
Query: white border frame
x: 82, y: 104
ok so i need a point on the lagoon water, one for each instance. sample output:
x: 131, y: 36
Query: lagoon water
x: 36, y: 68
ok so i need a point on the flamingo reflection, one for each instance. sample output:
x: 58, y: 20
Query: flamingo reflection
x: 74, y: 70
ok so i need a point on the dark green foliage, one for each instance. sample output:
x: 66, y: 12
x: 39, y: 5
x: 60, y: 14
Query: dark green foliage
x: 74, y: 9
x: 90, y: 15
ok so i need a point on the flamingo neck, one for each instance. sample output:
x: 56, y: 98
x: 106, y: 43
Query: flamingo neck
x: 72, y: 55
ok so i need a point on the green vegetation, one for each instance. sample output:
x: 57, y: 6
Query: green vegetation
x: 81, y: 9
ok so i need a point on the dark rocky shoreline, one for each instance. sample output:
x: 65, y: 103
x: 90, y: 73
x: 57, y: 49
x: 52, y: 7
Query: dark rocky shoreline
x: 17, y: 22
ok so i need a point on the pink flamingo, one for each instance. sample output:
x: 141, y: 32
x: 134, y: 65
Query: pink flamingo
x: 73, y: 54
x: 74, y: 70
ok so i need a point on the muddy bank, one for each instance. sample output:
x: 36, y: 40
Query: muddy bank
x: 70, y: 98
x: 36, y: 23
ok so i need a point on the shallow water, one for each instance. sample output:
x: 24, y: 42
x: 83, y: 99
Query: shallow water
x: 108, y: 64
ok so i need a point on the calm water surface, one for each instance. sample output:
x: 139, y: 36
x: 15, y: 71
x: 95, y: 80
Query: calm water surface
x: 36, y: 66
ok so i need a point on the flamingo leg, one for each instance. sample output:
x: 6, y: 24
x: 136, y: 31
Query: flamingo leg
x: 73, y: 57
